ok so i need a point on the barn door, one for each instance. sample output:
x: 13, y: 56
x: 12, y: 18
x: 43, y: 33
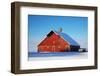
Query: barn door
x: 53, y: 49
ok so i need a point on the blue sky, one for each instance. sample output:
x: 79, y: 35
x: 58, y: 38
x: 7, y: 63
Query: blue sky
x: 40, y: 25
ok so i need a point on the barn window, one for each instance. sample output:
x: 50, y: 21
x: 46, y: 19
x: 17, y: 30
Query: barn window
x: 47, y: 46
x: 59, y: 47
x: 53, y: 41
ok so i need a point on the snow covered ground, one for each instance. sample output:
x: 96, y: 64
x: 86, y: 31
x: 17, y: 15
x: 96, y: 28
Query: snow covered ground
x: 57, y: 56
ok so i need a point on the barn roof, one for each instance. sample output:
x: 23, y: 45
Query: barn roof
x: 67, y: 38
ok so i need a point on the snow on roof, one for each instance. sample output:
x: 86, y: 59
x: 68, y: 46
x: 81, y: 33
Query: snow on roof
x: 67, y: 38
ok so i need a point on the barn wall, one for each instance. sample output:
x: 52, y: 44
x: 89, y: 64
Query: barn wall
x: 54, y: 43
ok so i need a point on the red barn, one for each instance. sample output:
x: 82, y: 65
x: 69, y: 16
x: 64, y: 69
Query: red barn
x: 58, y: 42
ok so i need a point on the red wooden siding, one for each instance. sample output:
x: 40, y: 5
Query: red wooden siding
x: 53, y: 43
